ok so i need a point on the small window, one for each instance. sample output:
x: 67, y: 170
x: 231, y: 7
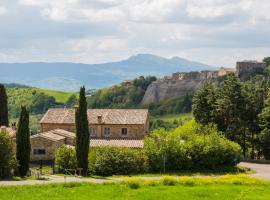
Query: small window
x: 124, y: 131
x: 92, y: 131
x: 106, y: 131
x: 39, y: 151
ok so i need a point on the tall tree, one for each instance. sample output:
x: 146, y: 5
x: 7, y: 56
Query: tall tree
x: 204, y: 103
x: 255, y: 92
x: 3, y: 106
x: 229, y: 110
x: 23, y: 146
x: 265, y: 125
x: 267, y: 61
x: 82, y: 133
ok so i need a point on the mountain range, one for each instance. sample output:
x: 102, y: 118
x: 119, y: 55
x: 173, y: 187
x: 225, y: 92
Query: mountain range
x: 70, y: 76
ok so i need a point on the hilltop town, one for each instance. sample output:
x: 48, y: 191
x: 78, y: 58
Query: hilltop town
x: 181, y: 83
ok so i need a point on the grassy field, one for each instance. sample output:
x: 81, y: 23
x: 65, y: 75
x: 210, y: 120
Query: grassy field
x: 58, y: 95
x: 227, y: 187
x: 171, y: 118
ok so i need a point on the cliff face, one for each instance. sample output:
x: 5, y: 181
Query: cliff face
x: 160, y: 90
x: 181, y: 83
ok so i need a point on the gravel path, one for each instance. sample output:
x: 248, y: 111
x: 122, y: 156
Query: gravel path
x: 262, y: 170
x: 56, y: 179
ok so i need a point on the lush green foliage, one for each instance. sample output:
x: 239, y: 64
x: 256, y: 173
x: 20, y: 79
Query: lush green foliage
x: 191, y: 146
x: 235, y: 107
x: 3, y: 106
x: 36, y: 102
x: 120, y: 96
x: 112, y: 160
x: 82, y: 133
x: 131, y: 97
x: 65, y: 158
x: 265, y: 125
x: 218, y: 188
x: 174, y: 105
x: 23, y: 146
x: 204, y: 102
x: 7, y: 158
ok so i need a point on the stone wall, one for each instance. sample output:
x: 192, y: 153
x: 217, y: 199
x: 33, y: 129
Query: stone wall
x: 49, y: 146
x: 135, y: 131
x: 245, y: 68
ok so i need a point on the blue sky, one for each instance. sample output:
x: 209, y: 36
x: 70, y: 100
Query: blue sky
x: 215, y: 32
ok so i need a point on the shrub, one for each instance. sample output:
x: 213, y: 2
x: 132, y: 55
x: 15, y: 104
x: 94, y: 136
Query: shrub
x: 116, y: 160
x: 190, y: 146
x: 170, y: 181
x: 7, y: 157
x: 65, y: 158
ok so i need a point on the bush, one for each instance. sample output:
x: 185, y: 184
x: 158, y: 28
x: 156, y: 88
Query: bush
x: 108, y: 161
x: 7, y: 157
x: 65, y: 158
x: 190, y: 146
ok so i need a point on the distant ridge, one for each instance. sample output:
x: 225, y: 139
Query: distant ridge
x: 68, y: 76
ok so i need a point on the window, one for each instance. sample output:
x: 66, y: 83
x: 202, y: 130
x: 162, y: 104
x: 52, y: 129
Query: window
x: 39, y: 151
x: 124, y: 131
x: 92, y: 131
x: 106, y: 131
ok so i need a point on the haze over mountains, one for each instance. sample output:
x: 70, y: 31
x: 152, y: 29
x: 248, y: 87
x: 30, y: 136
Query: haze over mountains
x: 70, y: 76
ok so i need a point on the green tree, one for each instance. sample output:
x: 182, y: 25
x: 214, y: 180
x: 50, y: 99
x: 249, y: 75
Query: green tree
x: 267, y: 61
x: 65, y: 158
x: 72, y: 101
x: 265, y: 125
x: 204, y: 103
x: 7, y: 158
x: 229, y: 112
x: 82, y: 133
x: 23, y: 146
x: 3, y: 106
x: 255, y: 91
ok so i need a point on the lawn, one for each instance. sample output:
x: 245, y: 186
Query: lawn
x: 227, y: 187
x: 59, y: 96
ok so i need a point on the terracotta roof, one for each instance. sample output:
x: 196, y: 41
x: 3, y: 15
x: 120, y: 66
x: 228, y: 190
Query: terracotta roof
x: 49, y: 135
x: 116, y: 143
x: 109, y: 116
x: 63, y: 133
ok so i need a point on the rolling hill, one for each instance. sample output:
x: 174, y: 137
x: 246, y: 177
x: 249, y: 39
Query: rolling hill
x: 70, y: 76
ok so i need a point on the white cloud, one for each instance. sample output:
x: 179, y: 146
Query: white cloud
x: 3, y: 10
x: 71, y: 30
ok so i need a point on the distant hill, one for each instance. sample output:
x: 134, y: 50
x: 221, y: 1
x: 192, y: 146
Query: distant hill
x: 70, y: 76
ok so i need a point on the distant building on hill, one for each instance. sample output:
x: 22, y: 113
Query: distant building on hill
x: 127, y: 83
x: 247, y: 67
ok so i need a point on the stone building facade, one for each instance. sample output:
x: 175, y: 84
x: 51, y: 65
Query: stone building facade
x: 247, y: 67
x: 103, y: 123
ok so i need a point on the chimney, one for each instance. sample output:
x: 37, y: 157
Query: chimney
x: 100, y: 119
x: 13, y: 126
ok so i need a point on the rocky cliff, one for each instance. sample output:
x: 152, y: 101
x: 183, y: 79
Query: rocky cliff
x: 181, y: 83
x: 160, y: 90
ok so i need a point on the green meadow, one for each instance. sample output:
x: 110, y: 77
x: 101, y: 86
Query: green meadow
x: 225, y: 187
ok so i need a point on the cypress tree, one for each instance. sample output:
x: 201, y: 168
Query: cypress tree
x: 23, y: 142
x: 82, y: 133
x: 3, y: 106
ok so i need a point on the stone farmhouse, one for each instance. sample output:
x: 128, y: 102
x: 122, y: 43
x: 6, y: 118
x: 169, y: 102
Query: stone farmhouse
x: 103, y: 123
x: 107, y: 127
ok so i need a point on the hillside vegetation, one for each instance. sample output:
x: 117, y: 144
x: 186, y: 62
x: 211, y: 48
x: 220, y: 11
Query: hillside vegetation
x: 36, y: 100
x: 131, y: 97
